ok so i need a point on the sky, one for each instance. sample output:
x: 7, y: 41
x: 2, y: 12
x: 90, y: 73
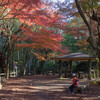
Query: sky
x: 58, y: 0
x: 61, y: 0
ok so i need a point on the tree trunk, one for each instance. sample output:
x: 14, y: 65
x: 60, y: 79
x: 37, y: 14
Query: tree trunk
x: 34, y: 69
x: 2, y: 63
x: 7, y: 65
x: 26, y: 63
x: 27, y: 56
x: 41, y: 66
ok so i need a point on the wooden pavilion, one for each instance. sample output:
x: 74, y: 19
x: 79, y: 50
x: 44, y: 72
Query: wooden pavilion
x: 75, y: 57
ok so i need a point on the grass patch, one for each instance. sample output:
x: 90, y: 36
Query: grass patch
x: 95, y: 82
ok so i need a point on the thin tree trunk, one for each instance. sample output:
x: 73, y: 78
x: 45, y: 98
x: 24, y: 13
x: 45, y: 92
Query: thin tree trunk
x: 26, y: 63
x: 2, y: 62
x: 34, y: 69
x: 41, y: 66
x: 7, y: 65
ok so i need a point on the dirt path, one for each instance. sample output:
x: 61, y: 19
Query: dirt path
x: 44, y: 88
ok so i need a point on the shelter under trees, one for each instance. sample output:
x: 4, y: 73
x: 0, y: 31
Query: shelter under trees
x: 75, y: 57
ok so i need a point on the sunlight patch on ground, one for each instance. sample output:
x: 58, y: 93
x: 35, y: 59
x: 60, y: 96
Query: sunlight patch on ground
x: 31, y: 89
x: 43, y: 88
x: 53, y: 88
x: 89, y: 98
x: 79, y: 98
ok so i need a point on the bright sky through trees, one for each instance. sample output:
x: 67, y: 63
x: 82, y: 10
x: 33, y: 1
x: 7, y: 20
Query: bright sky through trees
x: 61, y: 0
x: 58, y: 0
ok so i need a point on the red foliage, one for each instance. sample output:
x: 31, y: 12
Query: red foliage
x: 34, y: 12
x: 42, y: 39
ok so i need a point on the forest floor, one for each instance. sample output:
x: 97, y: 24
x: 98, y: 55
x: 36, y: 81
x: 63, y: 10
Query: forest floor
x: 41, y: 87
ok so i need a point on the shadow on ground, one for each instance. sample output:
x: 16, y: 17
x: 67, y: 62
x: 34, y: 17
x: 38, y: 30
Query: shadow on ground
x: 44, y: 88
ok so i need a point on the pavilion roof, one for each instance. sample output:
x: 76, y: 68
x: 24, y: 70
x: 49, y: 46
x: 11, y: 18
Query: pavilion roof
x: 75, y: 56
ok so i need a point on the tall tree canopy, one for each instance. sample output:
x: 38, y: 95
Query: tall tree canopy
x: 34, y: 30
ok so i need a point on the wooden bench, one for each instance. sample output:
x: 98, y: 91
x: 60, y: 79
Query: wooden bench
x: 80, y: 89
x: 50, y: 73
x: 13, y: 74
x: 82, y: 75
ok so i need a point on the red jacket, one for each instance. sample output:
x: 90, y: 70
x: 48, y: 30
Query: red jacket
x: 75, y: 81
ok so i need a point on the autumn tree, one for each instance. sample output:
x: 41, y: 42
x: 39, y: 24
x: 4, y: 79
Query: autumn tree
x: 29, y: 13
x: 89, y: 11
x: 43, y: 43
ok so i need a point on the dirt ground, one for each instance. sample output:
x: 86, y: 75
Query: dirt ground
x: 41, y: 87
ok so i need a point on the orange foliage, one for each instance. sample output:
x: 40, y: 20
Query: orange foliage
x: 83, y: 44
x: 39, y: 57
x: 34, y: 12
x: 42, y: 39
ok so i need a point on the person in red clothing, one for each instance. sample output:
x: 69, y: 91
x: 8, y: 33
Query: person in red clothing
x: 75, y: 83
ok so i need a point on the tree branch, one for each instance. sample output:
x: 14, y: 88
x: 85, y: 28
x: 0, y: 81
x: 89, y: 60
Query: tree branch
x: 81, y: 13
x: 92, y: 38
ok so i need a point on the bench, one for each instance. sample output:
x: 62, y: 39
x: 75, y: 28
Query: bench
x: 13, y: 74
x: 50, y: 73
x: 80, y: 89
x: 82, y: 75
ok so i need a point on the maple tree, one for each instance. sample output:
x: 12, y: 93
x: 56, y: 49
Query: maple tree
x: 30, y: 13
x: 85, y: 46
x: 81, y: 35
x: 41, y: 41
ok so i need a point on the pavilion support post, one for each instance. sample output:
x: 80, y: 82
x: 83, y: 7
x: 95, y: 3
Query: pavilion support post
x: 94, y: 74
x: 89, y: 69
x: 66, y: 70
x: 97, y: 70
x: 70, y: 62
x: 60, y: 71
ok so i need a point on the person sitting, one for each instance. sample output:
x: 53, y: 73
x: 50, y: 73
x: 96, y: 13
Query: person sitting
x: 75, y: 83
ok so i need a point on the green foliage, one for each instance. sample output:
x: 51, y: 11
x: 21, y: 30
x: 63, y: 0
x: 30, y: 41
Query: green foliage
x: 70, y: 42
x: 89, y: 5
x: 50, y: 66
x: 95, y: 82
x: 14, y: 26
